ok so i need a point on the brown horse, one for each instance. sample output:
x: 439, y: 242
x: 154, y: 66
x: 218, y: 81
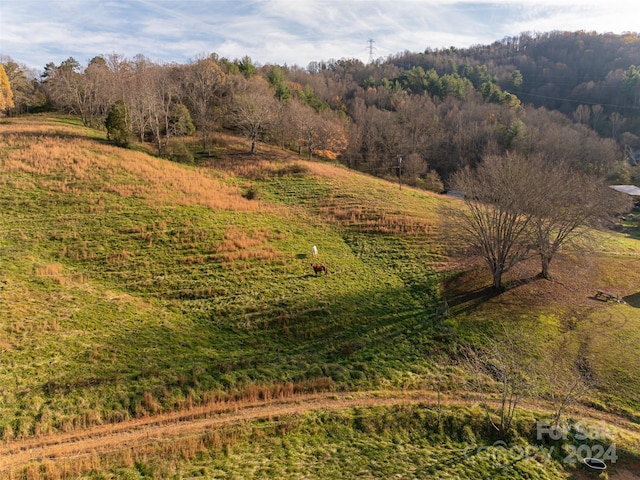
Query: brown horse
x: 319, y: 268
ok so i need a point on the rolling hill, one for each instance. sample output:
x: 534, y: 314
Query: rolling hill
x: 133, y: 287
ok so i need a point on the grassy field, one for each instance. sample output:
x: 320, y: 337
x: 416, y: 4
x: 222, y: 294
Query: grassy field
x: 127, y: 277
x: 131, y: 286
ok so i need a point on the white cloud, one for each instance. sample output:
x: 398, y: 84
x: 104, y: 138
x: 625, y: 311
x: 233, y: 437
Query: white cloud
x: 36, y: 32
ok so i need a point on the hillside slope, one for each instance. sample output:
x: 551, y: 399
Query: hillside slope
x: 131, y: 283
x: 133, y: 286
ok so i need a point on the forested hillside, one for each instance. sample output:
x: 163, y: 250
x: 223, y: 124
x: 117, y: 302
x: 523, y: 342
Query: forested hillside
x: 568, y: 96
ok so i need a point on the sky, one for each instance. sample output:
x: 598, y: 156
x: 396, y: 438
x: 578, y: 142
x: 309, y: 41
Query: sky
x: 292, y: 32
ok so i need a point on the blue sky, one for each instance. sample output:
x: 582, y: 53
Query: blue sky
x: 295, y: 32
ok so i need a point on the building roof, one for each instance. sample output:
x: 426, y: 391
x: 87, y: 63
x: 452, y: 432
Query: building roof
x: 628, y: 189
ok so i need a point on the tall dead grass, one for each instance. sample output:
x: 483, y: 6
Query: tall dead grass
x: 85, y: 164
x: 375, y: 220
x: 55, y: 272
x: 106, y: 446
x: 244, y: 245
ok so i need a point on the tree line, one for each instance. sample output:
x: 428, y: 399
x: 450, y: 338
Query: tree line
x: 421, y: 116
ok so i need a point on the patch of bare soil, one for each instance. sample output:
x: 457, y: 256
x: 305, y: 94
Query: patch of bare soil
x: 576, y: 278
x: 631, y: 471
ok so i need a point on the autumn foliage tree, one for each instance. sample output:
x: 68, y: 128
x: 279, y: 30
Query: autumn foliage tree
x: 27, y: 96
x: 6, y: 95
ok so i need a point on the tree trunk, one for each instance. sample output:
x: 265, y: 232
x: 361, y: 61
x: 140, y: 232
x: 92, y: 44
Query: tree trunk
x: 545, y: 260
x: 497, y: 271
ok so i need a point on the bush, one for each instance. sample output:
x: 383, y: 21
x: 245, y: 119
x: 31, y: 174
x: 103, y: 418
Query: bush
x: 177, y: 151
x: 252, y: 192
x: 116, y: 124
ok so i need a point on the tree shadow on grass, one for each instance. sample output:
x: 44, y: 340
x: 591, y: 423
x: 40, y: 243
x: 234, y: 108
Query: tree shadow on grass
x: 633, y: 300
x: 466, y: 301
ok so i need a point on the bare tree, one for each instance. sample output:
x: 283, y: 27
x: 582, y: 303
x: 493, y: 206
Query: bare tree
x: 566, y: 375
x: 582, y: 114
x: 563, y: 201
x: 158, y: 95
x: 416, y: 116
x: 616, y: 120
x: 253, y: 109
x: 518, y: 204
x: 203, y: 84
x: 504, y: 365
x: 496, y: 220
x: 596, y: 111
x: 76, y: 89
x: 139, y: 91
x: 295, y: 117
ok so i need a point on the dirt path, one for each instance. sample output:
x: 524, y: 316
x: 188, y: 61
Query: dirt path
x: 110, y: 438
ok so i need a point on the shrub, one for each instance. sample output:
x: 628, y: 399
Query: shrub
x: 252, y: 192
x: 116, y: 124
x: 177, y: 151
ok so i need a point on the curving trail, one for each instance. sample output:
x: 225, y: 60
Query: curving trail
x: 104, y: 439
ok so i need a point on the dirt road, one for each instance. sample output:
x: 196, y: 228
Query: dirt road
x: 111, y: 438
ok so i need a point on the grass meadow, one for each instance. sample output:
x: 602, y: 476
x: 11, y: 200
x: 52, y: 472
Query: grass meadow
x: 132, y: 286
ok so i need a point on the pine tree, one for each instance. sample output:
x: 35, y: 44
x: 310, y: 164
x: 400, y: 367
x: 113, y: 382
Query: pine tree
x: 116, y: 124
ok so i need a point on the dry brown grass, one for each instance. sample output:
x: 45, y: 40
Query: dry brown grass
x: 39, y: 149
x: 56, y: 273
x: 217, y: 426
x: 181, y: 435
x: 51, y: 270
x: 252, y: 245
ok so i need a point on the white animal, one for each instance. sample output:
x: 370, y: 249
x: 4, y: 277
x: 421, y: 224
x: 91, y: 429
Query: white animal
x: 314, y: 251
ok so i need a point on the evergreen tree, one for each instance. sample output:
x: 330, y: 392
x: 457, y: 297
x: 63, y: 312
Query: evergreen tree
x: 116, y: 124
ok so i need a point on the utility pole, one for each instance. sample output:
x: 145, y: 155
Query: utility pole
x: 400, y: 171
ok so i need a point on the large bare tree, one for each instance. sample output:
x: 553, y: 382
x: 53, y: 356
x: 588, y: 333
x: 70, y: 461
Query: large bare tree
x: 519, y: 204
x: 496, y: 219
x: 203, y: 85
x: 563, y: 201
x: 253, y: 109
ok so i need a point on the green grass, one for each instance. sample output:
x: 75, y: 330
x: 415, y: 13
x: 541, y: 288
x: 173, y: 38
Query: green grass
x: 108, y: 296
x: 373, y: 442
x: 129, y: 284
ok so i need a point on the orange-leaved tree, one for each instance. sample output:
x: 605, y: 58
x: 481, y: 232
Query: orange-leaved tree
x: 6, y: 94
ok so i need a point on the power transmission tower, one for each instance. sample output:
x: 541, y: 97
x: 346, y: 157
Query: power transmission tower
x: 371, y: 48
